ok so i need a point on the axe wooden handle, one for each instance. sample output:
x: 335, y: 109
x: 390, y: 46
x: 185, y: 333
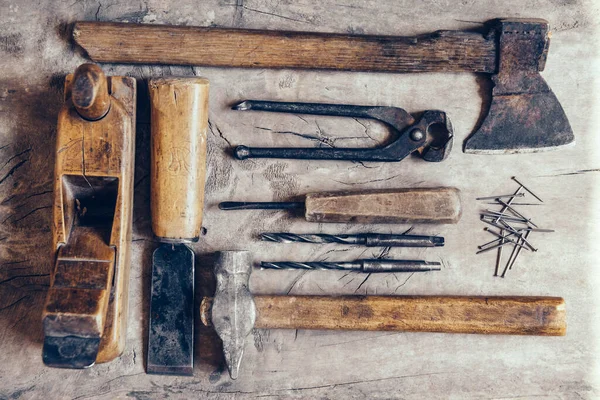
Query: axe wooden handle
x: 544, y: 316
x: 449, y: 51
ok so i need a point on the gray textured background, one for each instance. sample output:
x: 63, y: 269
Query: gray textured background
x: 35, y: 55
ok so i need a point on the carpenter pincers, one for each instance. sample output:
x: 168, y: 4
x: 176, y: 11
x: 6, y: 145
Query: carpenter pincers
x: 431, y: 135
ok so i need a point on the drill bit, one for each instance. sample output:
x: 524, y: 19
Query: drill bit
x: 368, y: 266
x: 364, y: 239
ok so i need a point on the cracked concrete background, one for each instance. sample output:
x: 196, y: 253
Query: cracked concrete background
x: 35, y: 55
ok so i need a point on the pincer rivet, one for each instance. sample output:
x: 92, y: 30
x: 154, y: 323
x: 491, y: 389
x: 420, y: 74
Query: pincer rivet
x: 417, y: 135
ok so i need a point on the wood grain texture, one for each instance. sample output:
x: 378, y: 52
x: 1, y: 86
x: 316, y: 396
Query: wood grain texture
x: 93, y: 200
x: 450, y: 314
x: 415, y: 205
x: 179, y: 117
x: 449, y: 51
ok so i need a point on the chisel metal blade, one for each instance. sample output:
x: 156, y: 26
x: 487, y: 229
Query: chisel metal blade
x: 171, y: 335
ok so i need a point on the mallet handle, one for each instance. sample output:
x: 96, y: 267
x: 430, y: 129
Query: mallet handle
x: 543, y: 316
x: 442, y: 51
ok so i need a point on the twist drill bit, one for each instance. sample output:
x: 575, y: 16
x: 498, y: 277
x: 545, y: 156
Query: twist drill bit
x: 368, y: 266
x: 364, y: 239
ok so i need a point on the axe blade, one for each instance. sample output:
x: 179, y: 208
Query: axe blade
x: 525, y: 122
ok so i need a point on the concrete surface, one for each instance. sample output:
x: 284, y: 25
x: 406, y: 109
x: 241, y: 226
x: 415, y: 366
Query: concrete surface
x: 36, y: 54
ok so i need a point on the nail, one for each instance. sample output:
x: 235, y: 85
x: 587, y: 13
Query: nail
x: 499, y: 255
x: 500, y: 196
x: 494, y: 214
x: 520, y: 204
x: 514, y: 178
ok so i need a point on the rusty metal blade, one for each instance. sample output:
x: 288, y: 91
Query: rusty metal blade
x: 171, y: 336
x: 528, y: 121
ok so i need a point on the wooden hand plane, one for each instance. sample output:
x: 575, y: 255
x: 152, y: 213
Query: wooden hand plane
x: 85, y: 314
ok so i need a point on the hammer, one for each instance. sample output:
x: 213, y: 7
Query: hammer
x: 234, y: 312
x: 524, y: 114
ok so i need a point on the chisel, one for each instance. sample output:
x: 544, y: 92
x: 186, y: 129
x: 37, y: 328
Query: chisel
x: 418, y: 205
x: 179, y: 117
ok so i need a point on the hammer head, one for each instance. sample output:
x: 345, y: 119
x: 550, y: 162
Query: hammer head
x: 524, y: 115
x: 233, y: 311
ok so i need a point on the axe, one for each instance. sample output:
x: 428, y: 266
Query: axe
x: 524, y: 114
x: 234, y: 312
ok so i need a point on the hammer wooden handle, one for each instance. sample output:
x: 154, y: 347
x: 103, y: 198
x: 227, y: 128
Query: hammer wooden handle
x: 414, y: 205
x: 543, y: 316
x: 450, y: 51
x: 179, y: 116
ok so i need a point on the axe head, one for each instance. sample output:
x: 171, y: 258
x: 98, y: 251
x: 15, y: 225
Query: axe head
x: 524, y: 115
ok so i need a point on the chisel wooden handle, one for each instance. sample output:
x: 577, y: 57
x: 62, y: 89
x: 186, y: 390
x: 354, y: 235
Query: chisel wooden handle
x: 179, y: 117
x: 416, y: 205
x: 544, y: 316
x: 159, y: 44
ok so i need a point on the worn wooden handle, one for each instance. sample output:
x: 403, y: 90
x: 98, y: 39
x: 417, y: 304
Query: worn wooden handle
x: 544, y: 316
x: 159, y: 44
x: 89, y: 92
x: 418, y: 205
x: 179, y: 117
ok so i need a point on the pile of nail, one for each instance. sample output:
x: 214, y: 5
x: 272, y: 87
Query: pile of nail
x: 510, y: 227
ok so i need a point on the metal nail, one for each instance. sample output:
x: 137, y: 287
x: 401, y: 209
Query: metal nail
x: 520, y: 204
x: 538, y: 230
x: 499, y: 255
x: 500, y: 196
x: 524, y: 187
x: 493, y: 214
